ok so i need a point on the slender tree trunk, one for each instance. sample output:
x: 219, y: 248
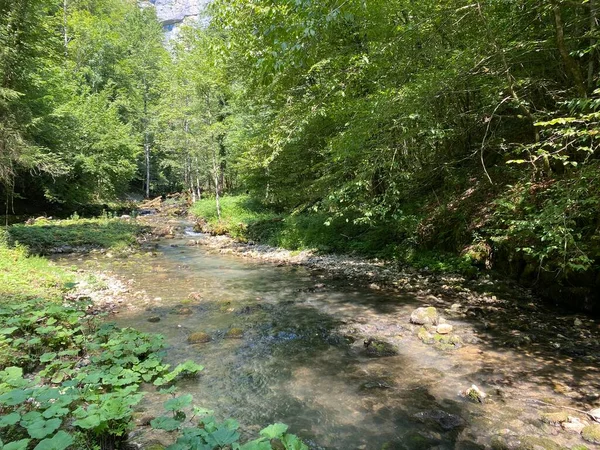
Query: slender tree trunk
x: 65, y: 28
x: 147, y: 155
x: 145, y: 123
x: 216, y: 181
x: 592, y: 61
x: 571, y: 65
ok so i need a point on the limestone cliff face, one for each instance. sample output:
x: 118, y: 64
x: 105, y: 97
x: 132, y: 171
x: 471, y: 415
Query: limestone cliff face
x: 173, y: 13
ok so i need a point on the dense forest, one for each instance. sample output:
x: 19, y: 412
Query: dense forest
x: 461, y: 129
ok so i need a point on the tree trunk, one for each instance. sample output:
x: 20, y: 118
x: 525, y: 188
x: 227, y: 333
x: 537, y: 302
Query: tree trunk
x: 571, y: 65
x: 65, y: 29
x: 147, y: 155
x: 592, y: 56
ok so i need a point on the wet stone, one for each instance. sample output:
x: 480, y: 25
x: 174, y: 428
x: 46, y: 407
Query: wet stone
x: 199, y: 338
x: 445, y: 420
x: 376, y: 349
x: 444, y: 328
x: 375, y: 384
x: 182, y: 311
x: 235, y: 333
x: 574, y: 425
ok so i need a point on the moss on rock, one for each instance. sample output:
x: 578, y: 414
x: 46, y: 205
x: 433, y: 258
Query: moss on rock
x: 591, y: 433
x: 199, y: 338
x: 555, y: 418
x: 235, y: 333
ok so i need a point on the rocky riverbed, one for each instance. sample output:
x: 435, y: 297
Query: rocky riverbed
x: 427, y: 361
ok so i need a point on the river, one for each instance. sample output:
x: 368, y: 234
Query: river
x: 287, y: 344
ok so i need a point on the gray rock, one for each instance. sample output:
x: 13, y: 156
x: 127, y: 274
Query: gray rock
x: 444, y: 328
x: 425, y: 316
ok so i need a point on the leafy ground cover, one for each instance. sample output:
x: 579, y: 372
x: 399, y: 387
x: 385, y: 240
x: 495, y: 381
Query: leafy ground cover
x: 44, y: 235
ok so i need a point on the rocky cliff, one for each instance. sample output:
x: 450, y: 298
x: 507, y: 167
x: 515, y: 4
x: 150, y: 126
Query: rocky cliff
x: 173, y: 13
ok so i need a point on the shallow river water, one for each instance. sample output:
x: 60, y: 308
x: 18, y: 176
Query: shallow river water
x: 301, y: 357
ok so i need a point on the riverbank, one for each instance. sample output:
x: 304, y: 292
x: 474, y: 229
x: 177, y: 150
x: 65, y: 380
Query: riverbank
x: 418, y: 243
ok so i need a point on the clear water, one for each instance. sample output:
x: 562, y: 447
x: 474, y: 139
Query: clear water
x: 302, y: 359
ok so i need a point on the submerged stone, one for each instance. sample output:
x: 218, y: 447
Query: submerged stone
x: 425, y: 336
x: 376, y: 384
x: 199, y: 338
x: 445, y: 420
x: 425, y: 316
x: 182, y: 311
x: 235, y: 333
x: 377, y: 349
x: 538, y: 443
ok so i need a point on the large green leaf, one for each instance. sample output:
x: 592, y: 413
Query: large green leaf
x: 41, y: 428
x: 60, y: 441
x: 274, y: 431
x: 17, y: 445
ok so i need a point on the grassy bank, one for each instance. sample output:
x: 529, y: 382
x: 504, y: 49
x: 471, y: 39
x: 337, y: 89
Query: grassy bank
x: 248, y: 220
x: 43, y: 236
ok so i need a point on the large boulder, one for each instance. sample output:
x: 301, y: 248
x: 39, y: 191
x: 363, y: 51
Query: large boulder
x: 425, y: 316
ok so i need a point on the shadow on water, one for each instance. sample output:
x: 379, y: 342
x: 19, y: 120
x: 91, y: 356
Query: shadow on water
x: 301, y: 357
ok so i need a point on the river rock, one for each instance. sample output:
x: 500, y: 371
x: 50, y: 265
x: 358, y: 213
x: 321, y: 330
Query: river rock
x: 425, y: 316
x: 182, y: 311
x: 235, y: 333
x: 446, y: 420
x: 538, y: 443
x: 444, y: 328
x: 199, y: 338
x: 555, y: 418
x: 425, y: 336
x: 154, y: 319
x: 376, y: 384
x: 475, y: 394
x: 574, y: 425
x: 591, y: 433
x: 595, y: 414
x: 376, y: 348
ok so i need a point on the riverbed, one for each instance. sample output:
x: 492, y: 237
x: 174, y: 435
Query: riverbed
x: 293, y: 344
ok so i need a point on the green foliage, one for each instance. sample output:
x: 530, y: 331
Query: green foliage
x: 55, y: 340
x: 208, y: 434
